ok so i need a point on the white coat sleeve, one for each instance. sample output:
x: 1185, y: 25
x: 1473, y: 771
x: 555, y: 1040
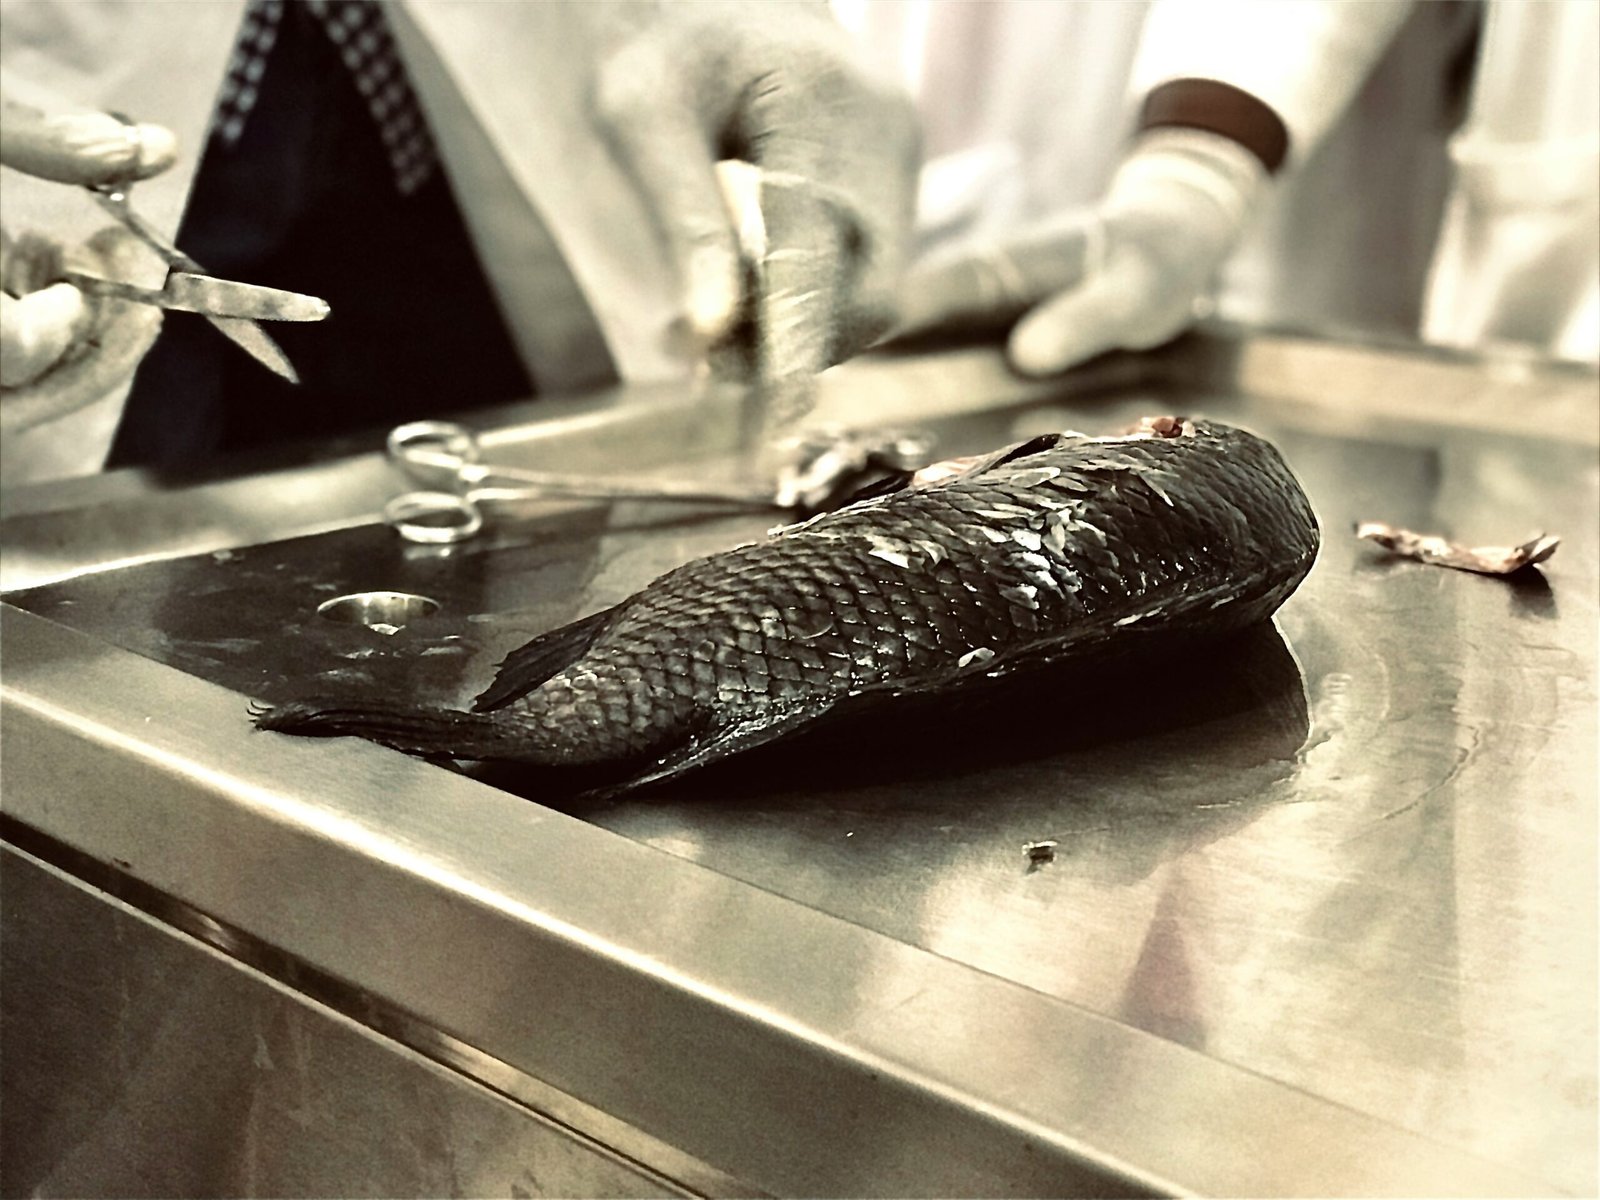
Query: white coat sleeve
x: 1304, y: 59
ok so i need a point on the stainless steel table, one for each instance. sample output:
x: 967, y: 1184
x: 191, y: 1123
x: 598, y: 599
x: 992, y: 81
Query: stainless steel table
x: 1321, y: 917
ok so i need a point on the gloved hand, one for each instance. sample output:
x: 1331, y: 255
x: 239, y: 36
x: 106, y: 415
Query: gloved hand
x: 778, y: 85
x: 1127, y: 275
x: 59, y: 349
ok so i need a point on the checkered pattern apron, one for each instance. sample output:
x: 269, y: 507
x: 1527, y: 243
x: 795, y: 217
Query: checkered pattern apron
x: 360, y: 33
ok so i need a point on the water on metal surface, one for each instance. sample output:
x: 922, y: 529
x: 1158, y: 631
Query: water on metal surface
x: 1355, y: 855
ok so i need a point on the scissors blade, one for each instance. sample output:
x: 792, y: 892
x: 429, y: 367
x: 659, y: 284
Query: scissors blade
x: 115, y: 201
x: 208, y: 296
x: 214, y: 297
x: 255, y: 342
x: 240, y: 330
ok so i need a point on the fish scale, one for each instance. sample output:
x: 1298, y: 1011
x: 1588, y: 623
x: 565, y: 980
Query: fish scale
x: 1036, y: 554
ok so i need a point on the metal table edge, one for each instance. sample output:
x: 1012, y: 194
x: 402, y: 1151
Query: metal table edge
x: 781, y: 992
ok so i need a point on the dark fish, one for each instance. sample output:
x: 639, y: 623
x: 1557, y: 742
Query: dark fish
x: 1060, y: 548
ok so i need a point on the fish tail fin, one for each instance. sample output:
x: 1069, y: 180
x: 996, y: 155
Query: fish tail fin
x: 429, y: 732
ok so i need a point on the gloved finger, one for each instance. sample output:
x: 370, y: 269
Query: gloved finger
x: 802, y: 280
x: 662, y: 140
x: 838, y: 155
x: 42, y: 316
x: 119, y: 334
x: 84, y: 148
x: 1113, y: 309
x: 989, y: 285
x: 36, y: 330
x: 881, y: 195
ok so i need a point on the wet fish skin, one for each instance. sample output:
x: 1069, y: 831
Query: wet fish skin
x: 1080, y: 544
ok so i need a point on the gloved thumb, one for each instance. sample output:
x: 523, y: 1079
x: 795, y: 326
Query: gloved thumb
x: 36, y: 330
x: 40, y: 319
x: 101, y: 358
x: 1176, y: 207
x: 1120, y: 307
x: 983, y: 286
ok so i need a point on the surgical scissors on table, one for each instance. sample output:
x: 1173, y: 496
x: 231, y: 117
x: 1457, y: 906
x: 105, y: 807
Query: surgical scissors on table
x: 440, y: 452
x: 232, y: 307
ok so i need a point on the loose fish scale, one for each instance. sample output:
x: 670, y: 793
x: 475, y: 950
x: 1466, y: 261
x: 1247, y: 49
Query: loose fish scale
x: 1155, y: 528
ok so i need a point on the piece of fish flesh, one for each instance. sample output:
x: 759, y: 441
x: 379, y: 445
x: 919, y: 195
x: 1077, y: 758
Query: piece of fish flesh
x: 1441, y: 552
x: 1052, y: 550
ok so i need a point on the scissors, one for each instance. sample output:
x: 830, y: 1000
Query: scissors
x: 234, y: 308
x: 442, y: 453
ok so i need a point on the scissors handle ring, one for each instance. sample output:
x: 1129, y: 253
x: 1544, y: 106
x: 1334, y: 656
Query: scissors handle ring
x: 433, y: 518
x: 432, y: 444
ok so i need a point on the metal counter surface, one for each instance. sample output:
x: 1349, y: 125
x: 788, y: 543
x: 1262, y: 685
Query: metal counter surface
x: 1321, y: 916
x: 308, y: 1102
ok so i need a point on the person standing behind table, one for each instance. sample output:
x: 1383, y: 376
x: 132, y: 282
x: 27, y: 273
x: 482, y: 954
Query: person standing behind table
x: 576, y: 144
x: 1287, y: 162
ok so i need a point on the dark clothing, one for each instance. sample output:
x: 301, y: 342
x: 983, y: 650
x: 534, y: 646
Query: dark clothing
x: 307, y: 201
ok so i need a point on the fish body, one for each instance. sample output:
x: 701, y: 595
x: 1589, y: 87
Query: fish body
x: 1056, y: 549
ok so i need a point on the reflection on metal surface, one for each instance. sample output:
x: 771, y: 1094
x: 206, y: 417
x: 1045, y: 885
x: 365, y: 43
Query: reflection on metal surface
x: 238, y: 1087
x: 1329, y: 904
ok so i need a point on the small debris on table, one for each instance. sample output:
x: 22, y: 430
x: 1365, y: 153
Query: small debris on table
x: 1039, y: 853
x: 1439, y: 552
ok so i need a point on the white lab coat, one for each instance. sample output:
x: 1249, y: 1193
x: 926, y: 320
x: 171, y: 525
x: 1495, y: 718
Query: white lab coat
x: 1518, y: 254
x: 505, y: 87
x: 1381, y: 224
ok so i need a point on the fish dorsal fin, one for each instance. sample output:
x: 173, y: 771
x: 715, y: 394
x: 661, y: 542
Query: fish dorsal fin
x: 526, y: 667
x: 897, y: 480
x: 887, y: 485
x: 1034, y: 445
x: 957, y: 469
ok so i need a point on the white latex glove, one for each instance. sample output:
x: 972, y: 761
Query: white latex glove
x: 1127, y: 275
x: 60, y: 350
x: 779, y: 85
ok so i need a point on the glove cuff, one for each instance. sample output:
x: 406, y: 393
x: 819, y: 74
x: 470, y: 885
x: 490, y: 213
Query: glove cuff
x: 1220, y: 108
